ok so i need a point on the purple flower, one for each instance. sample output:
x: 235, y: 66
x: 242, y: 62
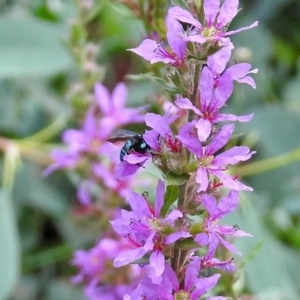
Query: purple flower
x: 114, y: 112
x: 155, y: 52
x: 210, y: 165
x: 239, y: 72
x: 214, y: 232
x: 217, y: 20
x: 97, y: 273
x: 159, y: 139
x: 169, y: 289
x: 104, y: 115
x: 216, y: 86
x: 146, y: 230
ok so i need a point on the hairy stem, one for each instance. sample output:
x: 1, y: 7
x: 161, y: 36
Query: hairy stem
x: 175, y: 262
x: 180, y: 255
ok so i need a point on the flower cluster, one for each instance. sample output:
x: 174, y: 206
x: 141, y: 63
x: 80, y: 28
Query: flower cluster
x: 87, y: 150
x: 167, y: 249
x: 101, y: 279
x: 195, y: 161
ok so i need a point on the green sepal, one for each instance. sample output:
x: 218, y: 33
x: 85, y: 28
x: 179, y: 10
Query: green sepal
x: 174, y: 179
x: 196, y: 228
x: 171, y: 196
x: 187, y: 244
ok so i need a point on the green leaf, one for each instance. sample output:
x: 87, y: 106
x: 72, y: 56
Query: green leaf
x: 168, y: 87
x: 30, y: 46
x: 174, y: 179
x: 9, y: 247
x: 171, y: 196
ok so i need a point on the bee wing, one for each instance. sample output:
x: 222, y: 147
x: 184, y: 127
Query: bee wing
x: 120, y: 136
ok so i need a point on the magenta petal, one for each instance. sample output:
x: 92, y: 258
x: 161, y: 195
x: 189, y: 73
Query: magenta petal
x: 228, y: 204
x: 202, y: 179
x: 126, y: 257
x: 148, y: 50
x: 76, y: 139
x: 191, y: 275
x: 222, y: 92
x: 158, y: 123
x: 248, y: 80
x: 184, y: 16
x: 157, y: 261
x: 209, y: 203
x: 149, y: 244
x: 136, y: 159
x: 232, y: 231
x: 206, y: 86
x: 228, y: 11
x: 220, y: 139
x: 218, y: 61
x: 185, y: 103
x: 119, y: 96
x: 102, y: 98
x: 204, y: 128
x: 151, y: 138
x: 233, y: 156
x: 202, y: 239
x: 211, y: 9
x: 229, y: 117
x: 241, y: 29
x: 138, y: 204
x: 174, y: 215
x: 124, y: 169
x: 174, y: 36
x: 228, y: 246
x: 230, y: 182
x: 187, y: 138
x: 159, y: 201
x: 205, y: 284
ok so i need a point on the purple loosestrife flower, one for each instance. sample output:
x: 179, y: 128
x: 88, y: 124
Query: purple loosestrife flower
x: 160, y: 137
x: 101, y: 280
x: 155, y: 52
x: 210, y: 165
x: 113, y: 110
x: 216, y: 86
x: 217, y: 20
x: 107, y: 113
x: 169, y: 289
x: 239, y: 72
x: 214, y: 232
x: 147, y: 230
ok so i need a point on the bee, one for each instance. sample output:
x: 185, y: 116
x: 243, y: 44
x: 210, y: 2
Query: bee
x: 130, y: 141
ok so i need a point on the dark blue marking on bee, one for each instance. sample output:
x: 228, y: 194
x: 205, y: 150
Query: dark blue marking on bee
x: 130, y: 141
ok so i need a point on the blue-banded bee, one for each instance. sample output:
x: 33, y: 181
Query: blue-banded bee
x: 130, y: 142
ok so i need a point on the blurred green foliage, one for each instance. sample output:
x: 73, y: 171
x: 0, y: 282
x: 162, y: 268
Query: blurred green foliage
x: 39, y: 229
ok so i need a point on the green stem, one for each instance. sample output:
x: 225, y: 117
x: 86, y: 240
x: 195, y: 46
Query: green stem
x: 269, y: 164
x: 179, y: 255
x: 176, y: 260
x: 195, y: 95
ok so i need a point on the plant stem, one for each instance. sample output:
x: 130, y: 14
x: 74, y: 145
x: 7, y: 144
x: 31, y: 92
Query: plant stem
x: 175, y: 262
x: 195, y: 95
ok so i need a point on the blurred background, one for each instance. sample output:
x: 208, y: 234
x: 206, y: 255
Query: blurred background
x: 42, y: 79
